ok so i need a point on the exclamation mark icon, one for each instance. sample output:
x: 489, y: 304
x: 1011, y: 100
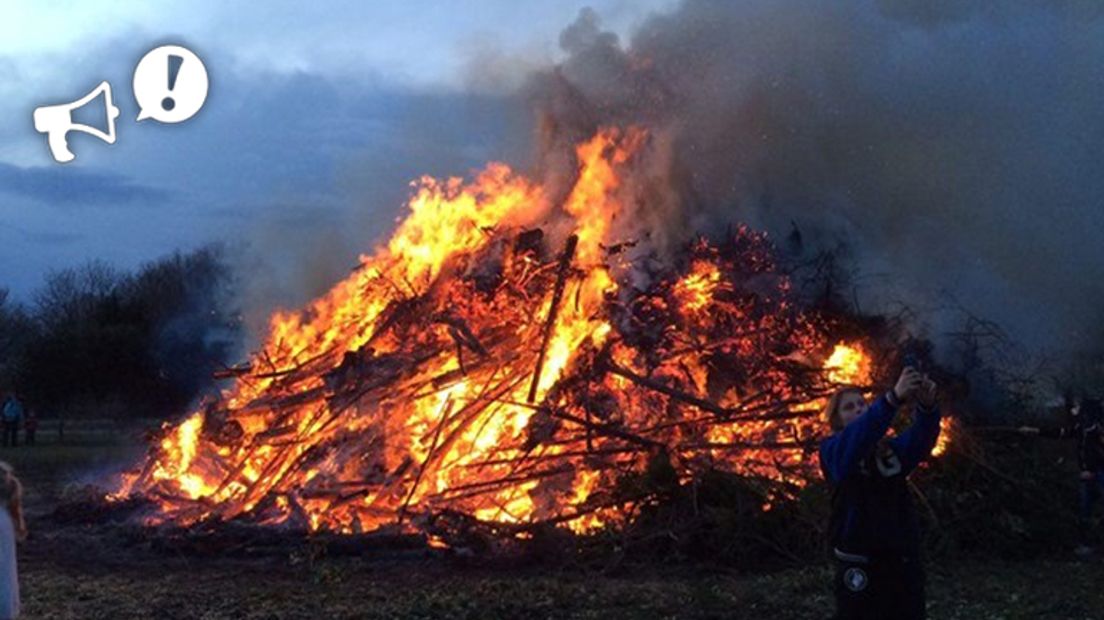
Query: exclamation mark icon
x: 170, y: 84
x: 168, y: 103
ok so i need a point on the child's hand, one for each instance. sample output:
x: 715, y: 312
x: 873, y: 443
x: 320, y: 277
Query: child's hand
x: 1086, y: 475
x: 907, y: 384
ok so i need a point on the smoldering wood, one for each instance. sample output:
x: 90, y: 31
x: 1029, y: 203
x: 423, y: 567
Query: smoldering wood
x: 233, y: 372
x: 397, y: 363
x: 553, y: 311
x: 677, y: 394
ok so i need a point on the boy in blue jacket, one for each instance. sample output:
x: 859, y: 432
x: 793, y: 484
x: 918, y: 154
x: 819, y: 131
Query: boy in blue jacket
x: 874, y: 533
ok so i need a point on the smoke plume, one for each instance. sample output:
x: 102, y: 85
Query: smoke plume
x: 956, y: 146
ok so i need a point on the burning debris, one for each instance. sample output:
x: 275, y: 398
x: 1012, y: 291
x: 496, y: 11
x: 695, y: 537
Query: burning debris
x: 493, y: 363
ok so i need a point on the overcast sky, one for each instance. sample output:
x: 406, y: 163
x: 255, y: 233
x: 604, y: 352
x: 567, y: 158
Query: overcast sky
x: 317, y: 117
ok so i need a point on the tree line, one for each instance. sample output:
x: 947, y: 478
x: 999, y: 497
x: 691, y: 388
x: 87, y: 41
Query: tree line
x: 97, y: 341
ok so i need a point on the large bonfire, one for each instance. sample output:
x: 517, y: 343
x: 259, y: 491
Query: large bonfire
x: 507, y: 356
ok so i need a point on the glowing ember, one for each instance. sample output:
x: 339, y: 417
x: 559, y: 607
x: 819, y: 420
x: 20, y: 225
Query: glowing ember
x: 696, y: 289
x: 409, y: 388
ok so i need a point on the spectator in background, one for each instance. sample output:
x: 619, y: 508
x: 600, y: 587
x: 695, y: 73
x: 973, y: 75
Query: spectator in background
x: 30, y: 426
x: 1088, y: 429
x: 11, y: 416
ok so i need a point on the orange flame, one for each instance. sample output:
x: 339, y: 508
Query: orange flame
x: 848, y: 365
x: 946, y: 436
x: 696, y: 289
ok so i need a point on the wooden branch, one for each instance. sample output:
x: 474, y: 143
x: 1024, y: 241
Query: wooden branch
x: 553, y: 310
x: 231, y: 372
x: 605, y: 429
x: 487, y: 486
x: 461, y: 333
x: 676, y: 394
x: 445, y: 411
x: 560, y: 455
x: 740, y: 445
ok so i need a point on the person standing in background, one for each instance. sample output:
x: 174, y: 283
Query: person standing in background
x: 30, y: 426
x: 1088, y: 429
x: 12, y: 415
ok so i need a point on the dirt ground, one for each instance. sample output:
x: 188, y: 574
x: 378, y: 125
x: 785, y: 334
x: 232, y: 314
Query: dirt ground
x: 90, y: 571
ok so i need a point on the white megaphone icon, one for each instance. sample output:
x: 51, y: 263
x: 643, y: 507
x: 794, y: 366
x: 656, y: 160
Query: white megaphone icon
x: 57, y: 120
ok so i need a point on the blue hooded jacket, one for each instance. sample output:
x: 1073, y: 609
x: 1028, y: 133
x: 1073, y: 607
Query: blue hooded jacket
x: 12, y: 410
x: 872, y: 513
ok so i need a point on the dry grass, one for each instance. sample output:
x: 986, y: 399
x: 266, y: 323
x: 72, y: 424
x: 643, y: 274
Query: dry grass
x: 78, y: 572
x: 355, y: 589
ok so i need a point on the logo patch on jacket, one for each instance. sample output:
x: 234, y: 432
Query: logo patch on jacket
x: 887, y: 463
x: 855, y: 579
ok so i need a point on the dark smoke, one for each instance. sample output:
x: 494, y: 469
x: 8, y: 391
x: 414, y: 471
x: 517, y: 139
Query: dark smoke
x: 957, y: 146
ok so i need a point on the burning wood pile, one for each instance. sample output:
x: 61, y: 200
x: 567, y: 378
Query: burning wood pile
x: 496, y: 360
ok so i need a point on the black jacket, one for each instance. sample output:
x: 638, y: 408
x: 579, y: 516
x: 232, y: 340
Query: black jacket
x: 1089, y: 434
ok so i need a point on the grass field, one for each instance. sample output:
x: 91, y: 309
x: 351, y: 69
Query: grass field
x: 79, y: 571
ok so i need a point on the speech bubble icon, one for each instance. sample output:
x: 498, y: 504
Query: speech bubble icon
x: 170, y: 84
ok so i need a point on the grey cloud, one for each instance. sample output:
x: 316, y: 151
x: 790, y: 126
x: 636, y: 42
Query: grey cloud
x: 43, y: 237
x: 74, y: 186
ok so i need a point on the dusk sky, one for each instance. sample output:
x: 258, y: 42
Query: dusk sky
x: 317, y: 117
x: 954, y: 144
